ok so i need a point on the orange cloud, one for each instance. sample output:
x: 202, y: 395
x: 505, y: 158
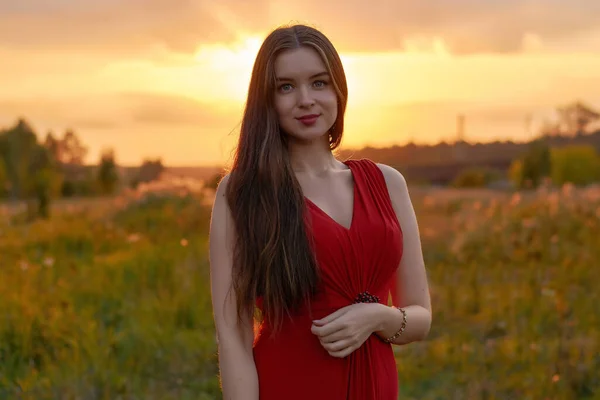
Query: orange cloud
x: 127, y: 111
x: 142, y: 26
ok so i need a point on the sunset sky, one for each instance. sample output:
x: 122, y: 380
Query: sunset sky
x: 168, y: 78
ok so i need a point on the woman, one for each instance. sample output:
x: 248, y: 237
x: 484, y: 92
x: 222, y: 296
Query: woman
x: 317, y: 244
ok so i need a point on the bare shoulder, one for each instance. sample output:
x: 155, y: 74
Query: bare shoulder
x: 395, y: 182
x: 222, y: 187
x: 399, y: 195
x: 392, y: 175
x: 220, y: 193
x: 220, y: 209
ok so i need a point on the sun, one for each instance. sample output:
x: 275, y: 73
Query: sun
x: 239, y: 54
x: 230, y: 64
x: 352, y: 80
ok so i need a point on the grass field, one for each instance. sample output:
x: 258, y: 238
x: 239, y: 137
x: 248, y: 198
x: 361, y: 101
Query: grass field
x: 110, y: 299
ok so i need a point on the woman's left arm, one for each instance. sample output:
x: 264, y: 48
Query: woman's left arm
x: 411, y: 288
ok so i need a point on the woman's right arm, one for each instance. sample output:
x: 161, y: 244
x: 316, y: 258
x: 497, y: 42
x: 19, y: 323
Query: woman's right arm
x: 239, y: 379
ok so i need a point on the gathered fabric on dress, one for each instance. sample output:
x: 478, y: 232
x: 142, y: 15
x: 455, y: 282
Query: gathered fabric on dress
x: 358, y: 263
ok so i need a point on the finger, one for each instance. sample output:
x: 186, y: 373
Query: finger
x: 331, y: 317
x: 337, y: 346
x: 328, y: 329
x: 344, y: 352
x: 334, y: 337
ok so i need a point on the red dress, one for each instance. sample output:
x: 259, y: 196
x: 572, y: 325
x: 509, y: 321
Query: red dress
x: 293, y: 365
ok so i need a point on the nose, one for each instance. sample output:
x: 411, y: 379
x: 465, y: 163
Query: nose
x: 305, y: 98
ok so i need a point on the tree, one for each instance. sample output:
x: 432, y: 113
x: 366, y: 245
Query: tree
x: 576, y: 117
x: 4, y: 184
x: 17, y: 146
x: 70, y: 154
x: 550, y: 129
x: 108, y: 176
x: 532, y: 166
x: 29, y: 168
x: 67, y: 151
x: 53, y: 146
x: 149, y: 171
x: 44, y: 180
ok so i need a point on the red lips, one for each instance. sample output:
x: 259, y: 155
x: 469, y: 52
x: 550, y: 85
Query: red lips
x: 309, y: 116
x: 308, y: 119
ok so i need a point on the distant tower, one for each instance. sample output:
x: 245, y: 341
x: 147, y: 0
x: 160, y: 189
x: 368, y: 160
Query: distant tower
x: 460, y: 127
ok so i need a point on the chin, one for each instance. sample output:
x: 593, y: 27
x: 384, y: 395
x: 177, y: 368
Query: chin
x: 307, y: 133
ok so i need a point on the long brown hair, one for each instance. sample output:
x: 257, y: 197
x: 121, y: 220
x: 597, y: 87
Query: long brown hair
x: 273, y: 256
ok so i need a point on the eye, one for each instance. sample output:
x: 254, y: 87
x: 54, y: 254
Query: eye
x: 320, y: 84
x: 285, y: 87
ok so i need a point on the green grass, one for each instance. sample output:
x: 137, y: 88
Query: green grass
x: 109, y: 305
x: 112, y: 301
x: 514, y: 291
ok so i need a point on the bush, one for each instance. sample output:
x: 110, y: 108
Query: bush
x: 534, y: 165
x: 3, y: 179
x: 579, y: 165
x: 107, y: 175
x: 475, y: 177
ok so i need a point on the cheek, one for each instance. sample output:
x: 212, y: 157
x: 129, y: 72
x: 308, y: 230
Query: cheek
x: 329, y: 97
x: 278, y: 106
x: 283, y: 106
x: 331, y: 104
x: 284, y: 111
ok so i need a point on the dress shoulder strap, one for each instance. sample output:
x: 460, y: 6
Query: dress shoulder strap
x: 373, y: 187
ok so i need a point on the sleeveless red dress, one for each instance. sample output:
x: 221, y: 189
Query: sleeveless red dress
x: 293, y: 365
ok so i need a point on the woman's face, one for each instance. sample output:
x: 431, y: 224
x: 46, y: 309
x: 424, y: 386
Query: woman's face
x: 305, y: 98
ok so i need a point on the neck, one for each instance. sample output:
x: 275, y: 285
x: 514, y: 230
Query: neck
x: 312, y: 158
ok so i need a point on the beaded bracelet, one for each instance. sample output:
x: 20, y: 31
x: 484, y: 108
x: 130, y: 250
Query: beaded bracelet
x: 401, y: 330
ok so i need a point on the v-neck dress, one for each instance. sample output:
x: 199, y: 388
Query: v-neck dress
x: 356, y: 263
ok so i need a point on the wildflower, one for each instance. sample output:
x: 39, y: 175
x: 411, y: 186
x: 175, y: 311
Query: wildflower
x: 528, y: 223
x: 134, y: 237
x: 429, y: 201
x: 184, y: 242
x: 534, y: 346
x: 515, y: 199
x: 567, y: 189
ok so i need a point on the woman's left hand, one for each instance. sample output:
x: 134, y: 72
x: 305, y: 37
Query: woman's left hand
x: 345, y: 330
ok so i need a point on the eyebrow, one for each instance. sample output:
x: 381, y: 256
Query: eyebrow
x: 311, y: 77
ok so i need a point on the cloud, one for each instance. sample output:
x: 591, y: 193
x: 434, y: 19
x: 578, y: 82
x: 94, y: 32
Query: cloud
x: 465, y: 26
x: 173, y: 110
x: 175, y: 128
x: 138, y: 26
x: 120, y: 111
x: 125, y: 26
